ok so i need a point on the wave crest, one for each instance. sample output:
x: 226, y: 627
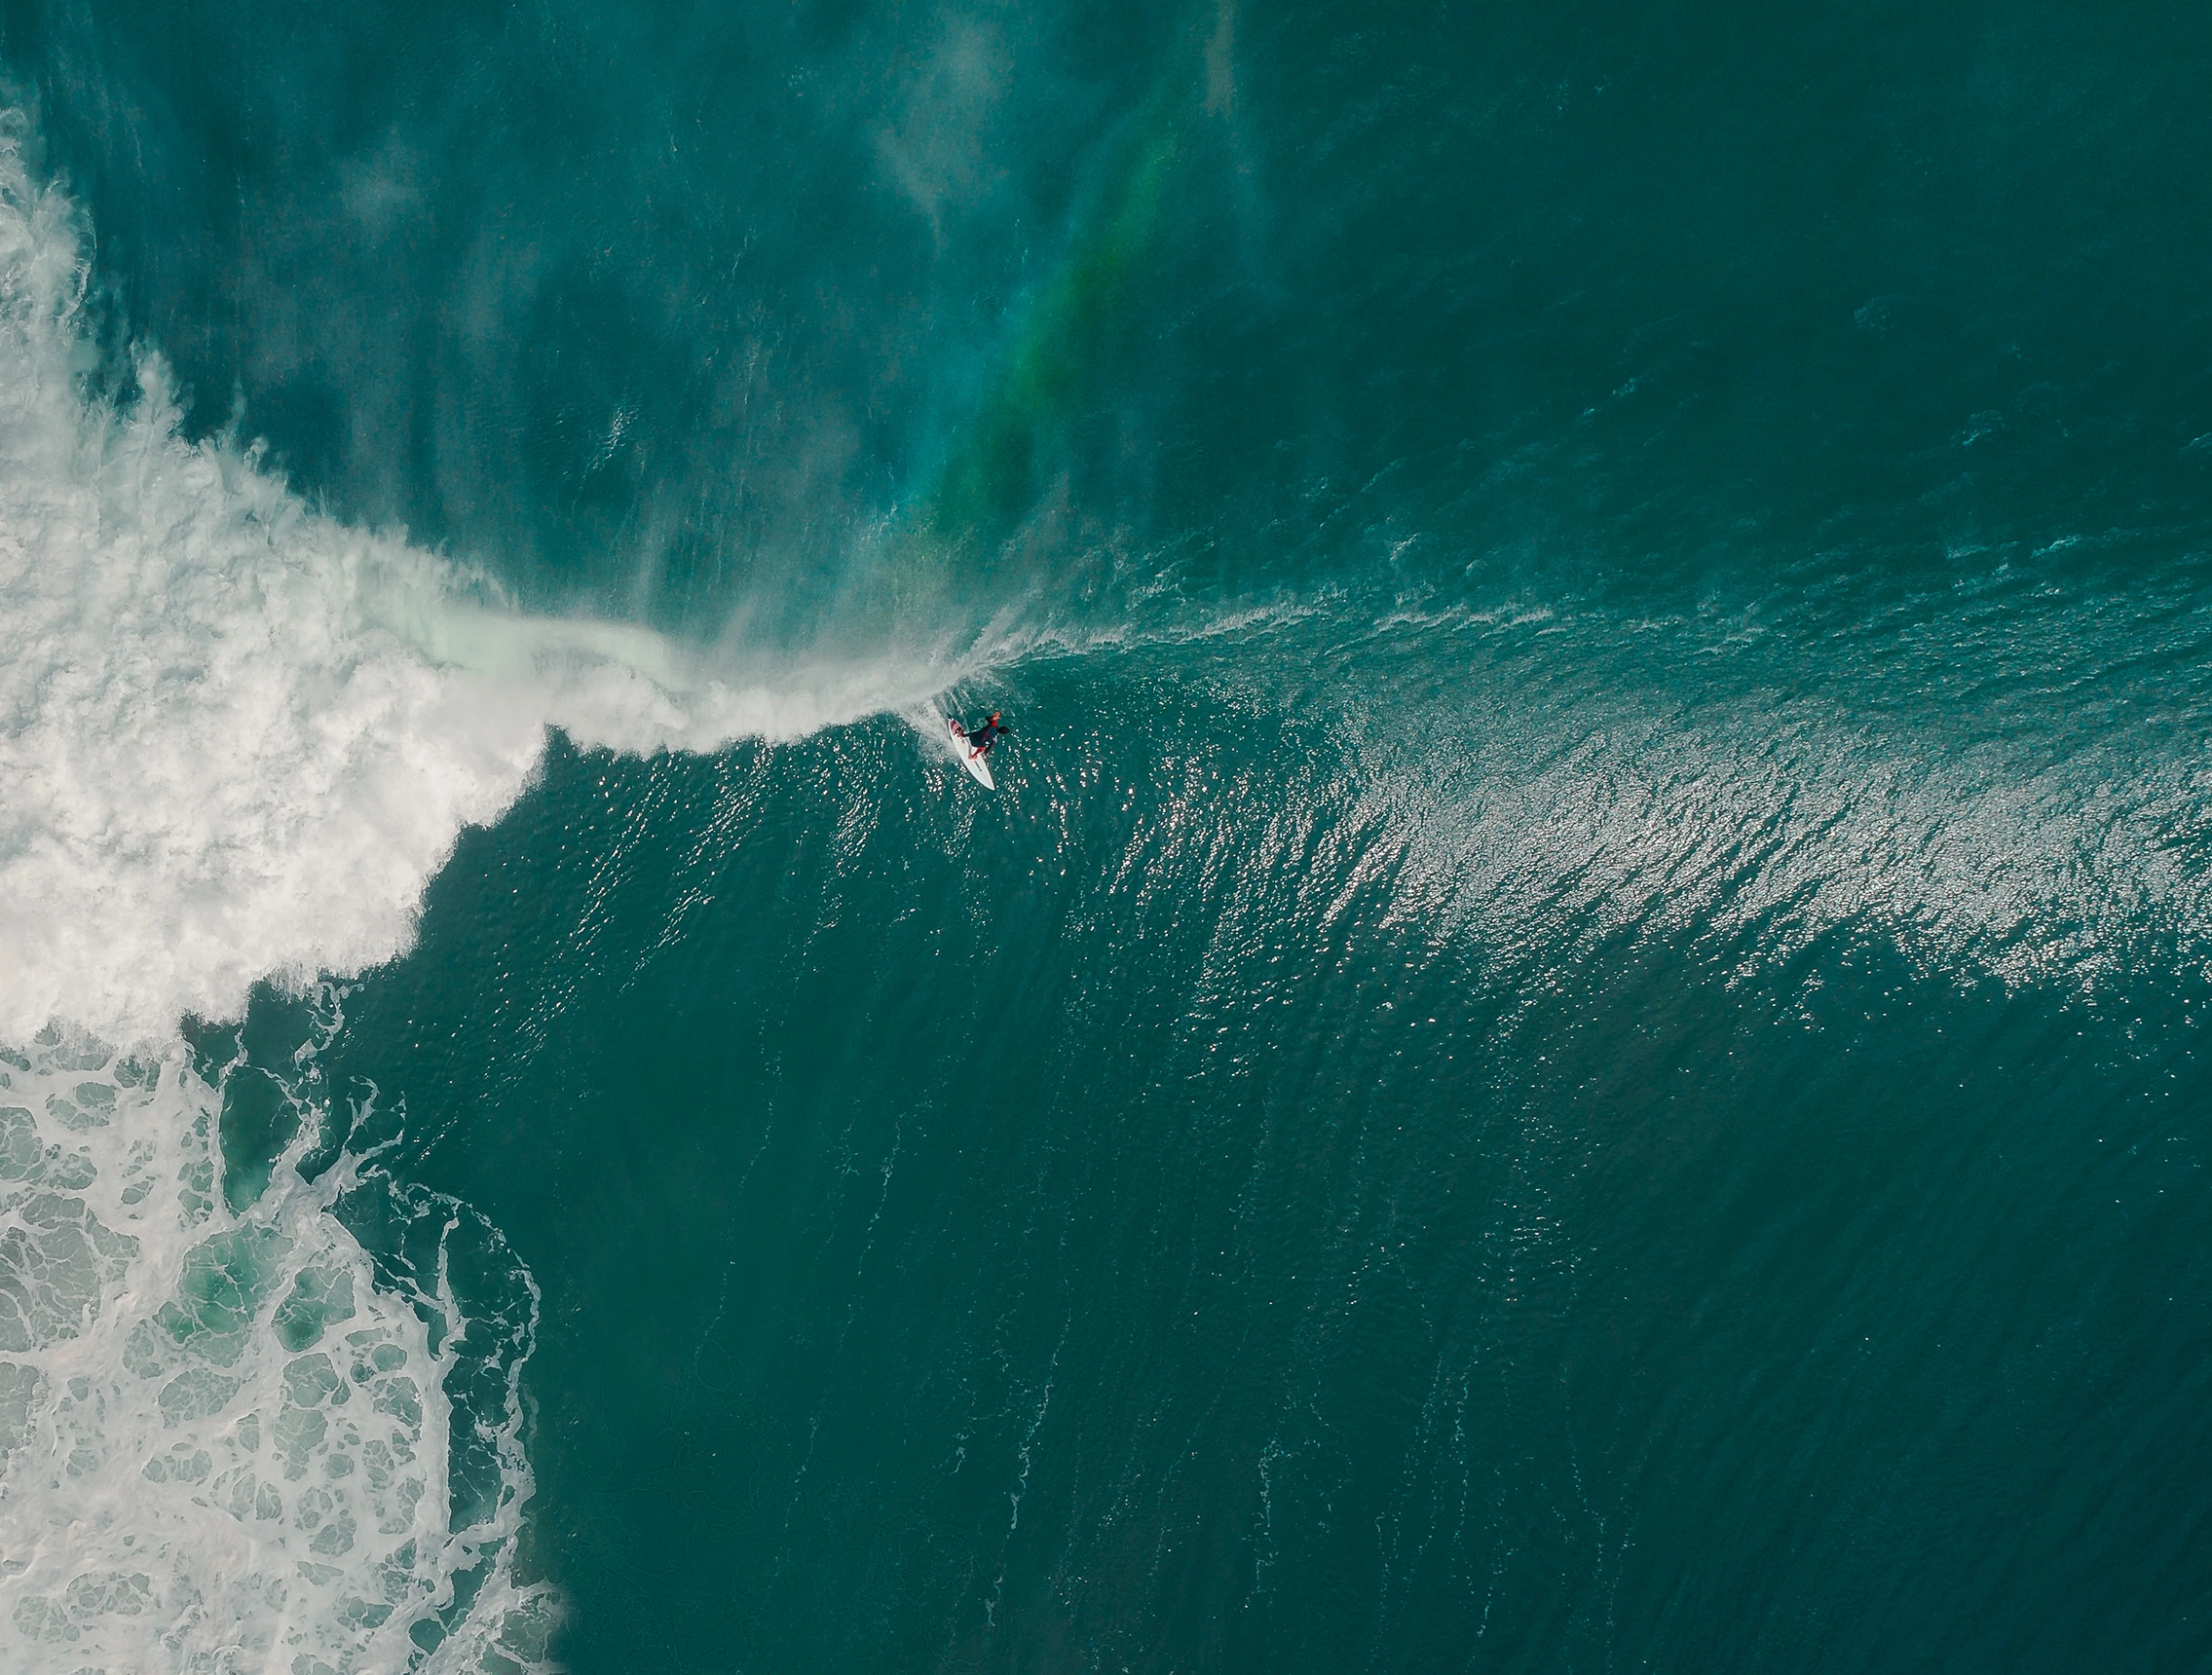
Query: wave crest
x: 238, y: 736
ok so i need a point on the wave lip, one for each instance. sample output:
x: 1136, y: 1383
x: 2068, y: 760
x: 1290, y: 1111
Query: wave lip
x: 237, y: 736
x: 219, y: 765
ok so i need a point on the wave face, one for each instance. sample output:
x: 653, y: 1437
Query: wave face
x: 1575, y: 1037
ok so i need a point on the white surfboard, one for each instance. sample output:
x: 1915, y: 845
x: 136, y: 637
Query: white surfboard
x: 969, y: 760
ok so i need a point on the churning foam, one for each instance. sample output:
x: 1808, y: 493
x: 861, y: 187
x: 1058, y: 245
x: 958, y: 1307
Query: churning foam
x: 225, y: 1440
x: 236, y: 738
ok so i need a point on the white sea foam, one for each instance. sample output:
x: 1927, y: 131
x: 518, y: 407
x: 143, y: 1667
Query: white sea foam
x: 223, y: 1439
x: 236, y: 738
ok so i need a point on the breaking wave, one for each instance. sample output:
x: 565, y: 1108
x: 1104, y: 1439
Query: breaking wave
x: 237, y: 737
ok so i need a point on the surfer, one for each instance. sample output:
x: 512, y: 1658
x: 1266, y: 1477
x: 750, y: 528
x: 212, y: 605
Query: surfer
x: 984, y: 736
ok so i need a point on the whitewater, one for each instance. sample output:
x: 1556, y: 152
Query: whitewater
x: 237, y: 737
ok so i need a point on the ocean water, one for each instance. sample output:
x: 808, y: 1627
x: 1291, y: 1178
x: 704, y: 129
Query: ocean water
x: 1575, y: 1039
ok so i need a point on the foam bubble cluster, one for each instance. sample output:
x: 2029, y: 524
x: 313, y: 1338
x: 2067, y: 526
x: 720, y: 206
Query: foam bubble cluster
x: 224, y: 1438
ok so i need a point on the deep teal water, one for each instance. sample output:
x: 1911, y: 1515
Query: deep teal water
x: 1576, y: 1039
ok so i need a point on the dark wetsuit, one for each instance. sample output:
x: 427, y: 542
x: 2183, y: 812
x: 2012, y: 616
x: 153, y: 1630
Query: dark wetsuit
x: 984, y: 737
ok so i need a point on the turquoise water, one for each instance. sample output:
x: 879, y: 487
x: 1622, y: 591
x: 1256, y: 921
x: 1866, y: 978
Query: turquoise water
x: 1575, y: 1038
